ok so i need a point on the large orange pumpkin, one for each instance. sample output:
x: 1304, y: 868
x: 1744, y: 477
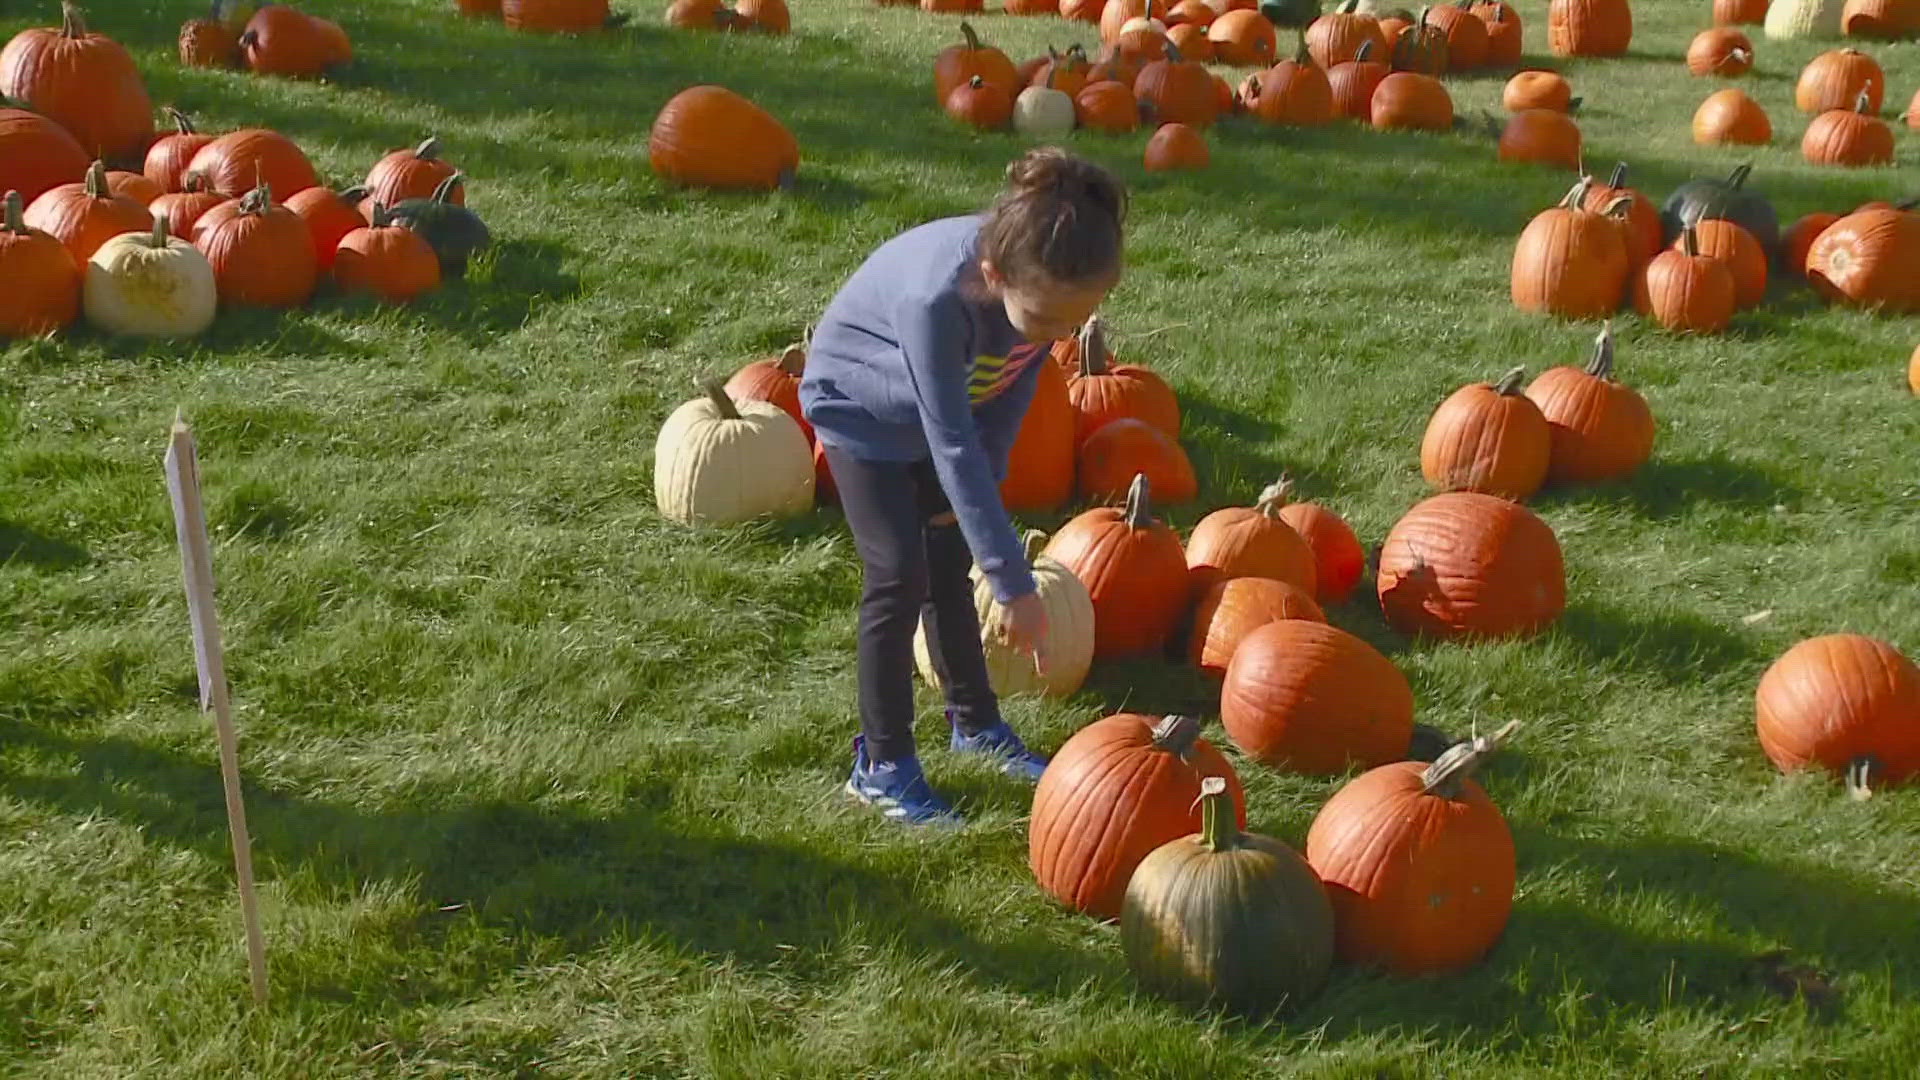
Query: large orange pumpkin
x: 1134, y: 571
x: 1466, y: 35
x: 170, y: 155
x: 1125, y: 448
x: 1406, y: 100
x: 954, y: 65
x: 1836, y: 79
x: 1418, y: 862
x: 1589, y: 27
x: 1720, y: 52
x: 1541, y: 137
x: 1504, y: 33
x: 1354, y: 81
x: 1229, y: 610
x: 233, y: 163
x: 1103, y: 391
x: 1291, y: 92
x: 1040, y: 465
x: 1868, y: 258
x: 330, y: 216
x: 1850, y: 138
x: 1173, y: 90
x: 281, y: 41
x: 43, y: 281
x: 1307, y: 697
x: 1687, y: 292
x: 85, y: 82
x: 1602, y: 428
x: 1571, y: 261
x: 775, y: 380
x: 262, y: 253
x: 1464, y: 564
x: 1339, y: 35
x: 1487, y: 437
x: 1537, y: 90
x: 1641, y: 217
x: 87, y: 214
x: 1739, y: 12
x: 1251, y: 541
x: 1841, y: 701
x: 1117, y: 789
x: 37, y: 155
x: 1886, y: 19
x: 1107, y: 106
x: 709, y: 136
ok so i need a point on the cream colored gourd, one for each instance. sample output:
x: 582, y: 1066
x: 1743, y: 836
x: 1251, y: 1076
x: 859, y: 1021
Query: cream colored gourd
x: 1804, y: 18
x: 1041, y: 112
x: 1069, y: 645
x: 149, y: 285
x: 718, y: 463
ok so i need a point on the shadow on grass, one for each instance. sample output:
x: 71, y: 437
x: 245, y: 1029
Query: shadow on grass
x: 557, y: 874
x: 1669, y: 487
x: 25, y: 546
x: 1676, y: 647
x: 502, y: 290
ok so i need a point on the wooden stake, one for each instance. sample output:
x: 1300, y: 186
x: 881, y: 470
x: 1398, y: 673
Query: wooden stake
x: 196, y: 568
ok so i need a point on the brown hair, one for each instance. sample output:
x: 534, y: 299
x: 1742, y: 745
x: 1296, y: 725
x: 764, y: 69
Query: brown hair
x: 1058, y: 221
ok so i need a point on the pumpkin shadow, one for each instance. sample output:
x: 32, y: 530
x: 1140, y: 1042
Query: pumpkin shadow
x: 551, y: 876
x: 1669, y: 487
x: 1675, y: 647
x: 21, y: 545
x: 1154, y: 685
x: 504, y: 288
x: 258, y: 332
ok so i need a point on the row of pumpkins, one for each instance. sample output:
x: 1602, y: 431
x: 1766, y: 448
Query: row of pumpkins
x: 1842, y: 89
x: 239, y: 218
x: 273, y: 39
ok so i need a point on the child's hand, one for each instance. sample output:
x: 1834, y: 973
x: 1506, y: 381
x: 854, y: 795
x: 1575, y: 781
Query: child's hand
x: 1023, y: 625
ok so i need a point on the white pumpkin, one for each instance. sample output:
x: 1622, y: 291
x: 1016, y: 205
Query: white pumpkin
x: 1804, y: 18
x: 1069, y: 645
x: 1041, y: 112
x: 718, y: 463
x: 149, y: 285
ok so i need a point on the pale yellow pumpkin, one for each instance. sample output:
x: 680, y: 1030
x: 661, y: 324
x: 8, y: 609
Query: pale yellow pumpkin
x: 1069, y: 646
x: 716, y: 462
x: 1804, y: 18
x: 1041, y: 112
x: 149, y: 285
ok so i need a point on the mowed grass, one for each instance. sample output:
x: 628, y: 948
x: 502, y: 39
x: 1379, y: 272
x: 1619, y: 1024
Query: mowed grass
x: 540, y: 784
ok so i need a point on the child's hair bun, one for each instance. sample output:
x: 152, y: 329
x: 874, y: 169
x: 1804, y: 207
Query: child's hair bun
x: 1049, y: 170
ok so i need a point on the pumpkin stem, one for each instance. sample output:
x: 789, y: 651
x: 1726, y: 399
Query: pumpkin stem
x: 1093, y: 347
x: 1275, y: 496
x: 973, y: 39
x: 1601, y: 366
x: 428, y: 150
x: 355, y: 194
x: 381, y: 216
x: 1619, y: 178
x: 160, y: 225
x: 72, y: 26
x: 1217, y: 830
x: 1446, y: 775
x: 1303, y: 55
x: 1036, y: 543
x: 10, y: 219
x: 1860, y: 775
x: 1176, y: 735
x: 181, y: 124
x: 722, y: 404
x: 1863, y: 104
x: 1173, y: 54
x: 443, y: 191
x: 1365, y: 50
x: 793, y: 360
x: 1690, y: 239
x: 1618, y: 209
x: 1139, y: 512
x: 1577, y: 197
x: 1739, y: 176
x: 1509, y: 384
x: 97, y: 181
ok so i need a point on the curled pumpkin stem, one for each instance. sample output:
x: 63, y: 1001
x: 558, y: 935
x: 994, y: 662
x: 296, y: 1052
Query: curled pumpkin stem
x: 1176, y: 735
x: 717, y: 393
x: 1139, y: 512
x: 1446, y: 775
x: 1601, y: 366
x: 1275, y: 496
x: 1509, y: 384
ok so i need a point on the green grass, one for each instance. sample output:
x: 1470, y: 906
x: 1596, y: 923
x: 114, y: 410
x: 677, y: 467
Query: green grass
x: 542, y: 785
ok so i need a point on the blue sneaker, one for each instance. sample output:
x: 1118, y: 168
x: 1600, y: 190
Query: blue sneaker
x: 1001, y: 743
x: 898, y: 788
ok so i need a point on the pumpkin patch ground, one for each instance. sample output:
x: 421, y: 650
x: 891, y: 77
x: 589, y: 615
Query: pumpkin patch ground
x: 541, y: 780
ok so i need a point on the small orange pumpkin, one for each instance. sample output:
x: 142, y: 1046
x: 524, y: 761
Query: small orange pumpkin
x: 330, y: 217
x: 1836, y: 79
x: 1537, y: 90
x: 1229, y: 610
x: 1601, y: 428
x: 43, y: 281
x: 1745, y: 259
x: 1541, y: 137
x: 1121, y: 450
x: 1255, y: 541
x: 1242, y: 39
x: 1406, y: 100
x: 1684, y: 291
x: 1107, y: 106
x: 1850, y: 138
x: 1176, y: 146
x: 390, y: 261
x: 1720, y: 52
x: 1487, y: 437
x: 262, y: 254
x: 1730, y: 117
x: 87, y: 214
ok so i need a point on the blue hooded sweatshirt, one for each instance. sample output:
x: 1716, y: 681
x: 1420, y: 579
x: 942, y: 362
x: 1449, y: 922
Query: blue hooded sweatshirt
x: 913, y: 360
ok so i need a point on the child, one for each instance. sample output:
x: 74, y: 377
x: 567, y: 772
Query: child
x: 916, y: 381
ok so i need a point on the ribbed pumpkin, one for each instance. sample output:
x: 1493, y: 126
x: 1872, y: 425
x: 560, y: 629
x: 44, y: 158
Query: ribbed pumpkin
x: 1420, y: 47
x: 1068, y: 647
x: 1134, y: 571
x: 262, y: 254
x: 1541, y: 137
x: 1639, y: 217
x: 718, y: 463
x: 208, y: 43
x: 1844, y: 702
x: 410, y: 174
x: 1684, y: 291
x: 1884, y: 19
x: 233, y: 163
x: 1291, y: 92
x: 955, y: 65
x: 1798, y: 240
x: 764, y: 16
x: 1466, y: 34
x: 1571, y: 261
x: 85, y: 82
x: 85, y: 215
x: 43, y: 281
x: 184, y: 209
x: 1191, y: 41
x: 982, y: 104
x: 1836, y: 79
x: 1227, y: 611
x: 1107, y: 106
x: 1338, y: 559
x: 1242, y: 39
x: 1464, y: 564
x: 170, y: 155
x: 149, y: 285
x: 1418, y: 863
x: 709, y: 136
x: 133, y: 186
x: 1589, y: 27
x: 1176, y: 146
x: 1601, y: 428
x: 1868, y: 259
x: 1116, y: 790
x: 1102, y: 390
x: 281, y: 41
x: 1122, y: 449
x: 1736, y: 247
x: 1250, y: 541
x: 1537, y: 90
x: 1410, y: 101
x: 554, y: 16
x: 775, y: 380
x: 1505, y: 36
x: 1731, y: 118
x: 37, y: 155
x: 1175, y: 90
x: 1339, y: 35
x: 1803, y: 18
x: 330, y: 216
x: 1739, y: 12
x: 1487, y: 437
x: 1354, y: 81
x: 1720, y: 52
x: 389, y: 261
x: 1228, y: 918
x: 1849, y: 138
x: 1307, y: 697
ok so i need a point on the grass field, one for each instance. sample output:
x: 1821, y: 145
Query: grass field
x: 542, y: 785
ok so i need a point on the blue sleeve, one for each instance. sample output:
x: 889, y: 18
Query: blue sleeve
x: 933, y: 338
x: 999, y: 420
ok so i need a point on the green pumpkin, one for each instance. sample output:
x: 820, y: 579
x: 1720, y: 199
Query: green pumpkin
x: 1730, y: 199
x: 452, y: 231
x: 1293, y: 14
x: 1227, y: 917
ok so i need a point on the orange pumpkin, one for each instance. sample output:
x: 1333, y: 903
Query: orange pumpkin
x: 1107, y: 106
x: 1410, y: 101
x: 1842, y: 702
x: 87, y: 214
x: 1040, y: 467
x: 1353, y: 82
x: 1849, y: 138
x: 1229, y: 610
x: 1720, y: 52
x: 1487, y: 437
x: 775, y: 380
x: 1913, y: 371
x: 1744, y: 258
x: 1867, y: 259
x: 1420, y: 48
x: 37, y: 155
x: 699, y: 15
x: 1125, y: 448
x: 1242, y: 541
x: 1541, y: 137
x: 957, y: 64
x: 1640, y: 218
x: 1290, y: 92
x: 208, y: 43
x: 1190, y: 13
x: 1505, y: 35
x: 1537, y: 90
x: 1115, y: 15
x: 769, y: 16
x: 1799, y: 239
x: 1134, y: 571
x: 1739, y: 12
x: 1601, y: 428
x: 1589, y: 27
x: 390, y: 261
x: 1062, y: 71
x: 1306, y: 697
x: 1465, y: 564
x: 1730, y: 117
x: 43, y: 281
x: 1103, y: 390
x: 982, y: 104
x: 1086, y: 11
x: 709, y: 136
x: 1465, y: 32
x: 233, y: 163
x: 281, y: 41
x: 1339, y: 35
x: 1190, y: 41
x: 1242, y: 39
x: 411, y: 174
x: 1571, y: 261
x: 1175, y: 90
x: 330, y: 217
x: 1885, y: 19
x: 85, y: 82
x: 1684, y: 291
x: 133, y: 186
x: 1836, y: 79
x: 1338, y: 560
x: 184, y: 209
x: 262, y: 253
x: 170, y: 155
